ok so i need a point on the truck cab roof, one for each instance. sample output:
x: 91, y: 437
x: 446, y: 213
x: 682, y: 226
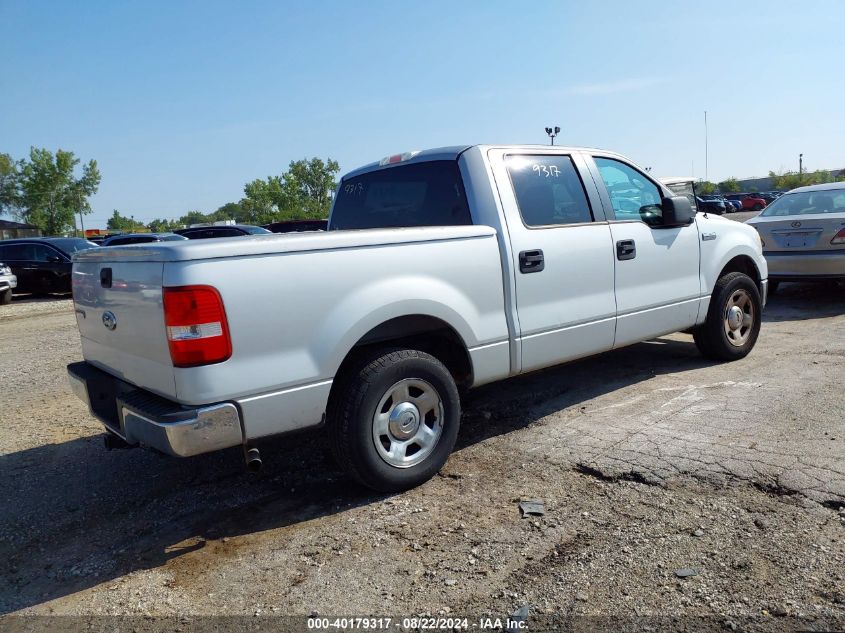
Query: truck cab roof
x: 453, y: 152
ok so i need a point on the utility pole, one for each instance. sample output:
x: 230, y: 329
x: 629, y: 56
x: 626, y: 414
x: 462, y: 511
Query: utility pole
x: 800, y: 164
x: 81, y: 221
x: 705, y: 146
x: 552, y: 132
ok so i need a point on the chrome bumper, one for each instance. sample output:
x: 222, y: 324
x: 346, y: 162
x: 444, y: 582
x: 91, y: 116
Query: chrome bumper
x: 142, y: 418
x: 8, y: 281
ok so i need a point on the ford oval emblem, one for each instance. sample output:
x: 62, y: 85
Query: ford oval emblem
x: 109, y: 320
x: 796, y: 224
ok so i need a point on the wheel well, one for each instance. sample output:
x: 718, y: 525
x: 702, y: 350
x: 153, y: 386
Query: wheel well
x: 421, y: 332
x: 743, y: 264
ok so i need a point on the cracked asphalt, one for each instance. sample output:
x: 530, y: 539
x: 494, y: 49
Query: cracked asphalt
x: 648, y: 459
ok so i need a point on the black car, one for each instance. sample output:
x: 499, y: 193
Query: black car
x: 223, y: 230
x: 711, y: 204
x: 141, y: 238
x: 297, y: 226
x: 42, y: 264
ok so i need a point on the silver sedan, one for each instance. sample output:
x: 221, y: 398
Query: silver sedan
x: 803, y: 234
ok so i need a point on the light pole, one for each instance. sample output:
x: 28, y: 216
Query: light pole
x: 552, y: 132
x: 800, y: 164
x: 705, y: 146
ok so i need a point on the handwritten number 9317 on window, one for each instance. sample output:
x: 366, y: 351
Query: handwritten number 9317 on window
x: 353, y: 189
x: 546, y: 171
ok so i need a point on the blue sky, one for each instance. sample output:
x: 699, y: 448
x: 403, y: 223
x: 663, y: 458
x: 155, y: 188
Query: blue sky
x: 181, y: 103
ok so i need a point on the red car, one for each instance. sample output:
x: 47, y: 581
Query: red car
x: 750, y: 201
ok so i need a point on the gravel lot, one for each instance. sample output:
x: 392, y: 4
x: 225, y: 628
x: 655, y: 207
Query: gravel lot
x: 649, y: 460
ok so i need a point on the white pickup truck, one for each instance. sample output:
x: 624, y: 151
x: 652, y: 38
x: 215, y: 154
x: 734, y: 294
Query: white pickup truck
x: 443, y: 268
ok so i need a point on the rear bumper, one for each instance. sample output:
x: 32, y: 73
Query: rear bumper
x: 142, y: 418
x: 805, y: 264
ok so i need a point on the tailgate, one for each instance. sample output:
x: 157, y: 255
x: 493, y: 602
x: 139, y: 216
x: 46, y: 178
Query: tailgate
x: 120, y: 316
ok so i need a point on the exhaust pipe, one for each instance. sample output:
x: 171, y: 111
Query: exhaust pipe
x: 253, y: 459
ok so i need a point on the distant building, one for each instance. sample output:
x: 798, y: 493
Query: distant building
x: 10, y: 230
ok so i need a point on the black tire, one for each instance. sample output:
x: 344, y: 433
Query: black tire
x: 360, y: 390
x: 711, y: 337
x: 757, y: 207
x: 6, y: 297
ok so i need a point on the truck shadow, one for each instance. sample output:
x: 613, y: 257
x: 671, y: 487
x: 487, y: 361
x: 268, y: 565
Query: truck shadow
x: 75, y: 515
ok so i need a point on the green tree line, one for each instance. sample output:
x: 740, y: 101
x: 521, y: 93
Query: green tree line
x: 783, y: 181
x: 48, y: 190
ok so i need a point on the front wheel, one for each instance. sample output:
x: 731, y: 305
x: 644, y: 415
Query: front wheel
x: 6, y: 297
x: 733, y: 319
x: 394, y: 419
x: 757, y: 207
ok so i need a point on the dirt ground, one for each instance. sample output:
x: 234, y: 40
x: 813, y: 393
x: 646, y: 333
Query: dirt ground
x: 649, y: 461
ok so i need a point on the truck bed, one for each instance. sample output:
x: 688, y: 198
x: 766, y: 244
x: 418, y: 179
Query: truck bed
x: 295, y: 305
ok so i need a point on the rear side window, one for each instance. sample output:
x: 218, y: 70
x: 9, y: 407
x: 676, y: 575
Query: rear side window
x: 421, y: 194
x: 548, y: 190
x: 18, y: 252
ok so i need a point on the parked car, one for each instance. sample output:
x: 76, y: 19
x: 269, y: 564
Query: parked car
x: 42, y: 264
x: 803, y: 234
x: 735, y: 205
x: 711, y: 204
x: 8, y: 282
x: 141, y: 238
x: 297, y: 226
x: 225, y: 230
x: 749, y: 201
x: 479, y: 263
x: 767, y: 196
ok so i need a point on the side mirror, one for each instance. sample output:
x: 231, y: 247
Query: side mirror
x: 677, y: 211
x: 53, y: 259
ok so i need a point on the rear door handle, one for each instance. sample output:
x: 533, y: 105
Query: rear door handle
x: 626, y: 249
x: 531, y: 261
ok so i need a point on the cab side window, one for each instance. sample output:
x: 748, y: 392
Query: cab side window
x: 632, y: 195
x: 41, y: 253
x: 548, y: 190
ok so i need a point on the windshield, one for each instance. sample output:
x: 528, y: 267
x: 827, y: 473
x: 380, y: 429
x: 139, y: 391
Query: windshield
x: 807, y: 203
x: 71, y: 245
x: 171, y: 237
x: 255, y: 230
x: 418, y: 194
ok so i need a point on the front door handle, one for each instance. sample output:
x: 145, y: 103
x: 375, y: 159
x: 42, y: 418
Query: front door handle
x: 626, y: 249
x: 531, y: 261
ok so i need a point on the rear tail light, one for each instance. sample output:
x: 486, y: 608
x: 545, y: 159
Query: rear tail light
x: 197, y: 332
x: 839, y: 238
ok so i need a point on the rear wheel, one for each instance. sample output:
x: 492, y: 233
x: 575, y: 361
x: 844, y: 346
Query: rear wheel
x: 733, y: 319
x: 757, y: 207
x: 394, y: 418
